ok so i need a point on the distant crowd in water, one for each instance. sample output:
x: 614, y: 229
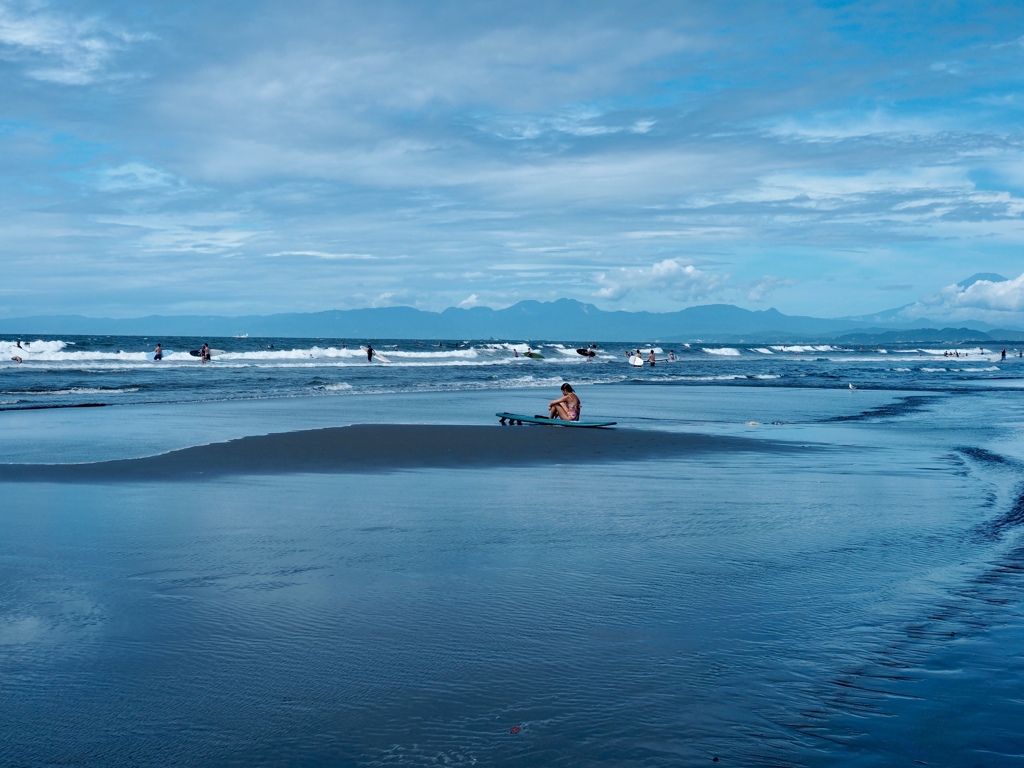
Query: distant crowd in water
x: 1002, y: 355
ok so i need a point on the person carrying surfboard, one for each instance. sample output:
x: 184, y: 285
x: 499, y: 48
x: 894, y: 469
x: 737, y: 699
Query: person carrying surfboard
x: 567, y: 407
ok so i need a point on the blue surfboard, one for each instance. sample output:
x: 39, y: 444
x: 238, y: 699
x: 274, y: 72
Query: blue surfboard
x: 518, y: 419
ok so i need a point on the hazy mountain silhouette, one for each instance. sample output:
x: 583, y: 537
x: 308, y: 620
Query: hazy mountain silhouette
x: 562, y: 319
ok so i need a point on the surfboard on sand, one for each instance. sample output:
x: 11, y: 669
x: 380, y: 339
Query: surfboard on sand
x: 377, y: 355
x: 518, y: 419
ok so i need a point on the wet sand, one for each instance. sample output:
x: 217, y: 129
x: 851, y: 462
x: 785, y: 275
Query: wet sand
x: 819, y: 592
x: 388, y: 447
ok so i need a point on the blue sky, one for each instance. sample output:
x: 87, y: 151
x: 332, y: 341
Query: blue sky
x: 257, y: 157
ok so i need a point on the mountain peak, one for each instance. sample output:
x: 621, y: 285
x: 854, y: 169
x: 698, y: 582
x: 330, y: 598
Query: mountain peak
x: 991, y: 277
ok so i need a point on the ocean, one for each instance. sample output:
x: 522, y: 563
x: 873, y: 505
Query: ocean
x: 839, y: 582
x: 120, y: 370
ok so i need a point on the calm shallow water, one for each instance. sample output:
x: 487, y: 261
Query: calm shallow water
x: 857, y: 603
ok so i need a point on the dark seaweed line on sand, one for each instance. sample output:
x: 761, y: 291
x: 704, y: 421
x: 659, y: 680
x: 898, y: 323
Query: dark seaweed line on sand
x: 900, y: 407
x: 891, y: 671
x: 996, y: 528
x: 50, y: 407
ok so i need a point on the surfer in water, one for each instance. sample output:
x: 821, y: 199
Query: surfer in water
x: 204, y: 352
x: 369, y: 353
x: 159, y: 352
x: 651, y: 358
x: 567, y: 407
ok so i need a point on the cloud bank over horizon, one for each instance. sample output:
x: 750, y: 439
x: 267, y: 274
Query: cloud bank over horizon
x: 991, y: 300
x: 246, y: 158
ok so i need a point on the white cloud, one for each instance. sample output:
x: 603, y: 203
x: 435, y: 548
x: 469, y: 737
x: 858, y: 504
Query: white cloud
x: 842, y: 126
x: 949, y: 67
x: 134, y: 176
x: 762, y: 289
x: 326, y: 255
x: 59, y: 47
x: 1005, y: 296
x: 581, y: 122
x: 681, y: 282
x: 822, y: 187
x: 399, y: 298
x: 470, y: 301
x: 993, y: 302
x: 213, y: 233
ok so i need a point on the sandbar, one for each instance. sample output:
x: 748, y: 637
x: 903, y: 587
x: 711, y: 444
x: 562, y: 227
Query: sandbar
x: 370, y: 448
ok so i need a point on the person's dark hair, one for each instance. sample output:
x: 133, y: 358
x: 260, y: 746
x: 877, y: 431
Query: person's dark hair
x: 567, y: 387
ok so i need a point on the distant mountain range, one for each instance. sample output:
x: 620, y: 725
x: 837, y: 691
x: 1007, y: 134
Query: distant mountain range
x: 564, y: 319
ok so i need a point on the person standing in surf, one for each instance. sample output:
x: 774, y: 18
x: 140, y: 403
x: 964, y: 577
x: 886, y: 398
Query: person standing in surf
x: 204, y: 352
x: 369, y: 353
x: 567, y: 407
x: 159, y: 352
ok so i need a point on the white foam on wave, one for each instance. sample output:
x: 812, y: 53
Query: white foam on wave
x: 31, y: 349
x: 57, y: 352
x: 726, y: 351
x: 496, y: 352
x: 432, y: 355
x: 481, y: 363
x: 314, y: 353
x: 801, y: 348
x: 76, y: 391
x: 726, y: 377
x: 570, y: 352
